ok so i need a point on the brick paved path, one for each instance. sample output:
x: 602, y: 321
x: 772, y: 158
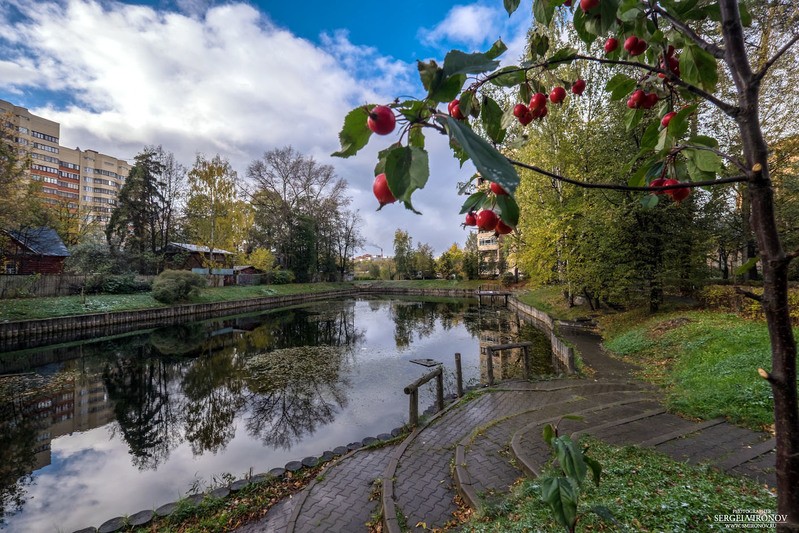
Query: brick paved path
x: 479, y: 448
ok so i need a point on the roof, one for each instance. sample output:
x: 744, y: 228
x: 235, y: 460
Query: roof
x: 41, y: 241
x: 199, y: 249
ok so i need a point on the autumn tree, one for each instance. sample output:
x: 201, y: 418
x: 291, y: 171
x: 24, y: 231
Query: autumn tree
x: 403, y: 253
x: 676, y: 50
x: 298, y: 203
x: 215, y: 218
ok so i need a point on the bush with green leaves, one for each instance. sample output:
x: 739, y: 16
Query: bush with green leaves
x: 282, y: 277
x: 172, y: 286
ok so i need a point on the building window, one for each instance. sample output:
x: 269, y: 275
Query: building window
x: 44, y: 136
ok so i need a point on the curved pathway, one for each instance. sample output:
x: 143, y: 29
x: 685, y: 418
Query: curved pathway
x: 478, y: 449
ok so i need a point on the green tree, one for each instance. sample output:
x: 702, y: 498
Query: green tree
x: 403, y: 253
x: 424, y: 264
x: 213, y: 215
x: 471, y: 257
x: 450, y: 263
x: 133, y: 224
x: 300, y: 208
x: 676, y: 53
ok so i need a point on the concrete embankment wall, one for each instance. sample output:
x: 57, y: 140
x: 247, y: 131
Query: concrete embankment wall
x: 562, y: 355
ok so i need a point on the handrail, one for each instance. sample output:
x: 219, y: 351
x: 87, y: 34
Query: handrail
x: 413, y: 391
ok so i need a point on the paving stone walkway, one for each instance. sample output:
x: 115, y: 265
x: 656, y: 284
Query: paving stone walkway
x: 479, y: 448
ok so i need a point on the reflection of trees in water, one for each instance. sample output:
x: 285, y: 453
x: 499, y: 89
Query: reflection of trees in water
x: 147, y: 418
x: 419, y: 318
x: 17, y: 454
x: 213, y: 396
x: 294, y: 391
x: 181, y: 339
x: 327, y: 323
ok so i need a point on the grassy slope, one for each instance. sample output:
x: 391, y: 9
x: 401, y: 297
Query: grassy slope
x: 706, y: 360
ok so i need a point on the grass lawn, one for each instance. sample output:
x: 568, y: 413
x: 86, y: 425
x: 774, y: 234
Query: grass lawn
x: 549, y: 299
x: 706, y: 360
x: 641, y: 489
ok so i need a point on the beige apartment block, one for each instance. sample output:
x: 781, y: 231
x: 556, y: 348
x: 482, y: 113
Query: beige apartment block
x: 71, y: 177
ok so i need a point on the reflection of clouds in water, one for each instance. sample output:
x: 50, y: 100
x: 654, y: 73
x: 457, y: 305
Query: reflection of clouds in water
x: 362, y: 397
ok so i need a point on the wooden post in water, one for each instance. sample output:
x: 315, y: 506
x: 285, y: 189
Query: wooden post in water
x: 440, y: 390
x: 413, y: 410
x: 459, y: 374
x: 490, y: 366
x: 526, y: 352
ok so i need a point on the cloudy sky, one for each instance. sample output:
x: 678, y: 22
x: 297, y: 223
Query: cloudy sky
x: 239, y: 79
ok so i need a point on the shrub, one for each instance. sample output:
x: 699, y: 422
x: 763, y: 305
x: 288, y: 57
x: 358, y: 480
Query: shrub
x: 281, y: 277
x: 172, y: 286
x: 124, y: 284
x: 729, y: 298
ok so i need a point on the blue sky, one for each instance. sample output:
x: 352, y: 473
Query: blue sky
x: 240, y: 78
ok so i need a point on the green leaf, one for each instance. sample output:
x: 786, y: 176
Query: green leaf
x: 355, y: 133
x: 699, y: 68
x: 593, y: 464
x: 380, y: 167
x: 543, y: 11
x: 620, y: 86
x: 665, y: 141
x: 704, y: 140
x: 678, y: 126
x: 561, y: 497
x: 633, y: 118
x: 492, y: 120
x: 708, y: 161
x: 407, y: 170
x: 525, y: 93
x: 457, y: 62
x: 509, y: 77
x: 496, y: 50
x: 447, y: 89
x: 548, y: 433
x: 508, y: 210
x: 466, y: 102
x: 511, y: 6
x: 564, y: 55
x: 573, y: 417
x: 607, y: 15
x: 746, y: 267
x: 648, y: 201
x: 570, y: 457
x: 492, y: 165
x: 473, y: 202
x: 580, y: 27
x: 428, y: 73
x: 650, y: 136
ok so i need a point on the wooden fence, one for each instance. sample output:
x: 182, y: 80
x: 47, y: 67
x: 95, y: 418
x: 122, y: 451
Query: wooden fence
x: 40, y: 285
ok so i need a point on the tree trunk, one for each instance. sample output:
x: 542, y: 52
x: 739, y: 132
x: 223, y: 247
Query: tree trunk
x: 782, y: 376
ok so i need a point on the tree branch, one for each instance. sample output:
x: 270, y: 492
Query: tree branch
x: 762, y: 72
x: 615, y: 187
x: 728, y: 109
x: 749, y: 294
x: 710, y: 48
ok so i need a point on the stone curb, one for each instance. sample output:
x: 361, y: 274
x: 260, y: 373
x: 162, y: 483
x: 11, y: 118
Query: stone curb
x: 388, y: 507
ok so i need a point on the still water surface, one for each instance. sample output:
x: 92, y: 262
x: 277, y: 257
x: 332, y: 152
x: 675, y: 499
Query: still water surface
x: 114, y: 426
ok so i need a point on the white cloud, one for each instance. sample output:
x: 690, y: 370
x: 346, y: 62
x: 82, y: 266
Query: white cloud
x: 471, y: 25
x: 223, y: 80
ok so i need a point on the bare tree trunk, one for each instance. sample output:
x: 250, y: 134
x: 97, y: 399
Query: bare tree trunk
x: 775, y: 269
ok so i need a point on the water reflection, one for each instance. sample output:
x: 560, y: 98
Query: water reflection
x: 154, y: 408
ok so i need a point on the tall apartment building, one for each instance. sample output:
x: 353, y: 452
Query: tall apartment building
x: 71, y: 177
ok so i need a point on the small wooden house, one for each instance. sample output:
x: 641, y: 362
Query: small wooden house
x: 182, y: 256
x: 32, y: 251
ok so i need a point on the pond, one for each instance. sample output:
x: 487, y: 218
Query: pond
x: 116, y: 425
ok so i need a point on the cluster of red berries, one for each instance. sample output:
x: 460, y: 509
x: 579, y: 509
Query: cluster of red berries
x: 538, y: 103
x: 670, y: 62
x: 678, y: 194
x: 635, y: 46
x: 640, y: 99
x: 487, y: 220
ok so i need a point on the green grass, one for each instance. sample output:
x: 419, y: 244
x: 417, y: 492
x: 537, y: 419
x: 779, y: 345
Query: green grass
x: 550, y: 300
x: 642, y: 489
x: 707, y: 361
x: 32, y: 308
